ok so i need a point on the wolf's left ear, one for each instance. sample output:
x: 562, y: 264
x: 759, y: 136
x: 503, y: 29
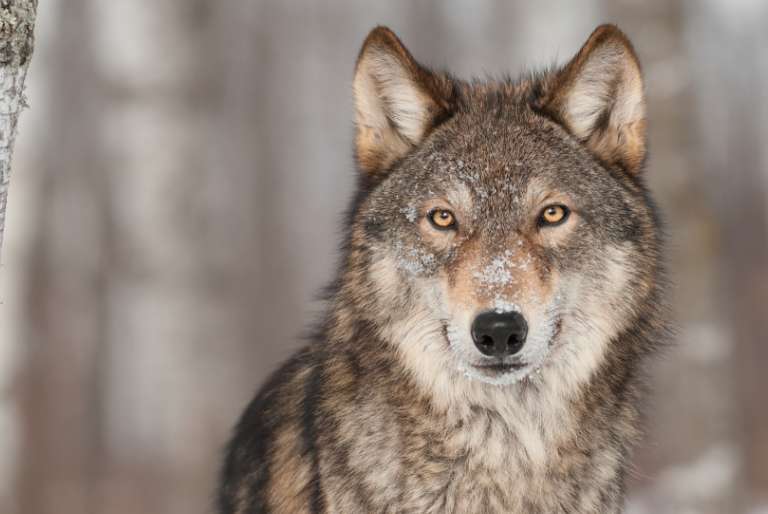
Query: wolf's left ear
x: 397, y: 101
x: 599, y: 98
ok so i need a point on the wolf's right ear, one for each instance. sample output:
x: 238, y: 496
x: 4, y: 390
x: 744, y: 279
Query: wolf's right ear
x: 397, y: 101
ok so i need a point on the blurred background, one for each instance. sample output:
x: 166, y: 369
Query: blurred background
x: 159, y: 261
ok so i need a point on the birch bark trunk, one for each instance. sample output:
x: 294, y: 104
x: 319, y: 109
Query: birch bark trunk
x: 17, y: 21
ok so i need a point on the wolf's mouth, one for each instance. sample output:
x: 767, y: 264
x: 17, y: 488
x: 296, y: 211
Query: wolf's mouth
x: 497, y: 368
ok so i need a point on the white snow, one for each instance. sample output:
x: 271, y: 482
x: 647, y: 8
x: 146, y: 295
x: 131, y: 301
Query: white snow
x: 501, y: 304
x: 411, y: 213
x: 413, y: 259
x: 496, y: 273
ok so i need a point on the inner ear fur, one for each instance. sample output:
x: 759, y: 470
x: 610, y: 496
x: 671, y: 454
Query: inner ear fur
x: 598, y: 96
x: 397, y: 101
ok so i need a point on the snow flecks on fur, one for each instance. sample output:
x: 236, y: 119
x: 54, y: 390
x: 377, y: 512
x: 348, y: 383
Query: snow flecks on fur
x: 411, y: 213
x: 472, y: 175
x: 482, y: 183
x: 501, y: 305
x: 499, y: 267
x: 496, y: 273
x: 414, y: 259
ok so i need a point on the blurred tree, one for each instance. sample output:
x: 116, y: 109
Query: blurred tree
x: 17, y: 22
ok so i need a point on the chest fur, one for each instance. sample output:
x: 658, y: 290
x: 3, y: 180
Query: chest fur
x: 482, y: 463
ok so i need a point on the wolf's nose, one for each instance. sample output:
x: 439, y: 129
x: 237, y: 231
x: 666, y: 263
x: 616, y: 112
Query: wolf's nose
x: 499, y: 334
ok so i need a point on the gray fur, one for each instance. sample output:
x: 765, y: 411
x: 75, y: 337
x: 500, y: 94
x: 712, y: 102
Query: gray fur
x: 382, y: 411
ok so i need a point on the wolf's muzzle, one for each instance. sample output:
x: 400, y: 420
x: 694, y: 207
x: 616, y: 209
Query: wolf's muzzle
x: 499, y: 334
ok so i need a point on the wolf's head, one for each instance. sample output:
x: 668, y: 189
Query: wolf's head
x: 504, y: 228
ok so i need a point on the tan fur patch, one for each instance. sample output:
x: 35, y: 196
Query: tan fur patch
x: 290, y: 473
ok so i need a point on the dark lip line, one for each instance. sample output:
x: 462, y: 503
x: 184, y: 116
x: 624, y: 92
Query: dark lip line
x: 500, y: 366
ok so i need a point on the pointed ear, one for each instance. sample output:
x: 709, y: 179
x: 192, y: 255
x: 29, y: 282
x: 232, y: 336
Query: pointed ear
x: 599, y: 98
x: 397, y: 101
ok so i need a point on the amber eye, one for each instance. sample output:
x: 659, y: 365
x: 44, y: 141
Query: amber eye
x: 553, y: 215
x: 442, y: 219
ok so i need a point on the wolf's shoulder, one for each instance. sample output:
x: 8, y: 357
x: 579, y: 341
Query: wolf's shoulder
x: 277, y: 408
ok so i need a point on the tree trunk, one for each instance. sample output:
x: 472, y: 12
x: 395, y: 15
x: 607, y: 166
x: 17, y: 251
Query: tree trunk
x: 17, y: 21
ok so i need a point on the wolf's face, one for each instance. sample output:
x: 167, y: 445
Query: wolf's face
x: 506, y: 230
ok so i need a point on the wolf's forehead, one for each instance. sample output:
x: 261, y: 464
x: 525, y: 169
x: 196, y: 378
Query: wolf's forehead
x: 467, y: 180
x: 459, y: 194
x: 492, y: 149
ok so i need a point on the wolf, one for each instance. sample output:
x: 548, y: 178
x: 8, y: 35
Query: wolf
x: 500, y: 291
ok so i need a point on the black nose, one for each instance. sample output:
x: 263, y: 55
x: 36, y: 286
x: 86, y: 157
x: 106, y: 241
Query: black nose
x: 499, y: 334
